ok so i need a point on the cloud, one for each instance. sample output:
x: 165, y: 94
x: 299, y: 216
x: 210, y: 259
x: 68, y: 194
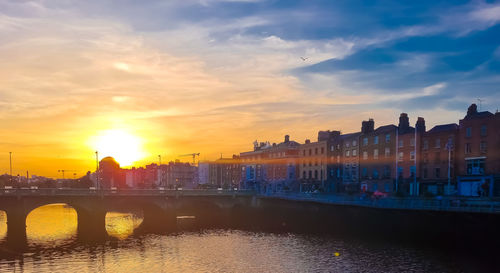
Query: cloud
x: 214, y: 75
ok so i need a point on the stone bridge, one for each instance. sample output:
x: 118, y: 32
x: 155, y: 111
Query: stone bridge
x: 160, y: 207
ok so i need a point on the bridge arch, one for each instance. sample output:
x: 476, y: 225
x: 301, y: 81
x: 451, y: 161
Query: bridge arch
x: 53, y: 223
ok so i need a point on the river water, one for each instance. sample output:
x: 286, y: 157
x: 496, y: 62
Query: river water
x: 53, y: 247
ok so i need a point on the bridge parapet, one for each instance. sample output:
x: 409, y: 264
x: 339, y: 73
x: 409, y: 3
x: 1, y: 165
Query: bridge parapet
x: 120, y: 192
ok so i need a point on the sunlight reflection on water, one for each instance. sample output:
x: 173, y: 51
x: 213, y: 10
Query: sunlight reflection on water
x: 55, y: 223
x: 122, y: 224
x: 3, y: 224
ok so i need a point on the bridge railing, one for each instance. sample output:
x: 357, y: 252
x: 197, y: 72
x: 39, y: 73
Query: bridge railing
x: 412, y: 203
x: 118, y: 192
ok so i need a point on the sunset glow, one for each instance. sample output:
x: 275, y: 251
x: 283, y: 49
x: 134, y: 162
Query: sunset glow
x: 123, y: 146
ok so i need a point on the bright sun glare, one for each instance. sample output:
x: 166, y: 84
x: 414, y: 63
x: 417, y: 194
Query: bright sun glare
x: 121, y: 145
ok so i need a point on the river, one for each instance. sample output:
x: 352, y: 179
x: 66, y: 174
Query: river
x: 52, y: 246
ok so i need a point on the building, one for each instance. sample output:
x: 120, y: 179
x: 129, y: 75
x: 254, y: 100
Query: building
x: 280, y: 169
x: 179, y: 175
x: 252, y: 166
x: 226, y: 172
x: 408, y: 140
x: 204, y: 172
x: 333, y: 155
x: 334, y: 167
x: 313, y: 165
x: 478, y: 153
x: 437, y: 159
x: 377, y: 157
x: 350, y: 162
x: 110, y: 174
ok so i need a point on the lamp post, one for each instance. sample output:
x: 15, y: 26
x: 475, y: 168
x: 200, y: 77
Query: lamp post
x: 159, y: 171
x: 97, y: 169
x: 10, y: 161
x: 449, y: 147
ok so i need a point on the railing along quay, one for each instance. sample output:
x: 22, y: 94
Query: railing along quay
x: 463, y: 204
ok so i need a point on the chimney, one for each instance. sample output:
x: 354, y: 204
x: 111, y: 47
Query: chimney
x: 472, y: 110
x: 323, y: 135
x: 404, y: 123
x: 287, y: 138
x: 420, y: 125
x: 367, y: 126
x: 308, y: 141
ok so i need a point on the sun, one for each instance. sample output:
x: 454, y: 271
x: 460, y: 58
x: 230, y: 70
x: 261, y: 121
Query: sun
x: 123, y: 146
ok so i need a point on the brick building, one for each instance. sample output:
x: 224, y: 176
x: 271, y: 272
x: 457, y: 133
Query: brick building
x: 478, y: 153
x: 437, y: 159
x: 313, y: 165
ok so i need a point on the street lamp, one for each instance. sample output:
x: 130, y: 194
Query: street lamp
x: 97, y: 169
x: 10, y: 160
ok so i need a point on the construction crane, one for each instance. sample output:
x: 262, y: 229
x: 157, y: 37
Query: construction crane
x: 193, y: 155
x: 62, y: 171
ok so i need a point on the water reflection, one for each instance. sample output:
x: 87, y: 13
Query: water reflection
x: 3, y: 225
x: 54, y: 224
x: 122, y: 224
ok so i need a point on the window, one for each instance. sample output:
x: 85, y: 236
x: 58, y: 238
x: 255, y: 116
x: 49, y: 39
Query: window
x: 437, y: 144
x: 387, y: 172
x: 310, y: 152
x: 438, y: 172
x: 315, y: 151
x: 354, y: 143
x: 316, y: 174
x: 468, y: 132
x: 375, y: 140
x: 426, y: 144
x: 387, y: 138
x: 347, y: 153
x: 365, y: 155
x: 365, y: 141
x: 322, y: 150
x: 468, y: 148
x: 347, y: 144
x: 387, y: 187
x: 304, y: 152
x: 375, y: 173
x: 375, y: 153
x: 354, y: 152
x: 332, y: 148
x: 412, y: 142
x: 401, y: 143
x: 400, y: 156
x: 374, y: 187
x: 426, y: 157
x: 483, y: 130
x: 482, y: 146
x: 412, y: 171
x: 364, y: 173
x: 475, y: 166
x: 412, y: 155
x: 310, y: 174
x: 387, y: 152
x: 425, y: 173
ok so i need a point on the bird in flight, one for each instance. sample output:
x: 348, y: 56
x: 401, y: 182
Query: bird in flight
x: 304, y: 58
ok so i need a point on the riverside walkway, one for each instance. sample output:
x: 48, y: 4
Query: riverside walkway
x: 455, y: 204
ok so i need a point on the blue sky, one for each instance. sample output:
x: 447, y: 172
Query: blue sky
x: 196, y: 73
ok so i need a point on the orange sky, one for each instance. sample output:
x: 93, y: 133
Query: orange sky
x: 67, y: 79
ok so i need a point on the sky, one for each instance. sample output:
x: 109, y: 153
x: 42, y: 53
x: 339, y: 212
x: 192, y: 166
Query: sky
x: 149, y: 78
